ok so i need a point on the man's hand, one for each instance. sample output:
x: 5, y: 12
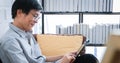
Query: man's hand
x: 69, y: 57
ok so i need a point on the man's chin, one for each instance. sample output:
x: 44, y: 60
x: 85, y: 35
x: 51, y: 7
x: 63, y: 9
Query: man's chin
x: 29, y: 30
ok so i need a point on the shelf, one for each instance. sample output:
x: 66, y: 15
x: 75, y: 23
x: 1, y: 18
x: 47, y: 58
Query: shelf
x: 81, y: 12
x: 95, y: 45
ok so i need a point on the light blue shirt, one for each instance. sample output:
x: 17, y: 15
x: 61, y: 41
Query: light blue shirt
x: 18, y: 46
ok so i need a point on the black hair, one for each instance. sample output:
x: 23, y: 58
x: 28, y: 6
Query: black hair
x: 25, y: 5
x: 86, y: 58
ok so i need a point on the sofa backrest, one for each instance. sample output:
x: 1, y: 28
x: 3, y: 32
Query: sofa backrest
x: 52, y: 44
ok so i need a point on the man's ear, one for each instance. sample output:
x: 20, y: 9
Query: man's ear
x: 19, y: 12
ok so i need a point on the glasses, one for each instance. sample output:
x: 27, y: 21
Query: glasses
x: 36, y: 17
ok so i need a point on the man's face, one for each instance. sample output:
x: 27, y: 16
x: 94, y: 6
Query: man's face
x: 30, y: 19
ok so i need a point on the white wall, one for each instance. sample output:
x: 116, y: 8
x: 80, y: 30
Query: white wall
x: 116, y: 5
x: 5, y: 15
x: 3, y: 28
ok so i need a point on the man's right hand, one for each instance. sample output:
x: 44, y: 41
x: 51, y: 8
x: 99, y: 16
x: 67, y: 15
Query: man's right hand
x: 69, y: 57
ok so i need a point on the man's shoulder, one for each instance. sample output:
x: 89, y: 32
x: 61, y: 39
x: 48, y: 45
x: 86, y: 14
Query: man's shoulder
x: 8, y: 36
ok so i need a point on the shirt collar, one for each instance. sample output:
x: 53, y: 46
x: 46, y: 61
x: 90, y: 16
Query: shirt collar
x: 18, y: 30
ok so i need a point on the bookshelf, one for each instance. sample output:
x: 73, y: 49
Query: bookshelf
x: 81, y: 7
x: 78, y: 5
x: 98, y: 41
x: 97, y: 35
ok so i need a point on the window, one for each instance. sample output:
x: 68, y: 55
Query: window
x: 64, y: 20
x: 101, y: 19
x: 96, y: 51
x: 37, y: 29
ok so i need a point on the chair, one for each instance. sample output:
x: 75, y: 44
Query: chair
x: 112, y: 54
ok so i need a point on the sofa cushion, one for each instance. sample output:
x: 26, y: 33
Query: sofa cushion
x: 52, y: 44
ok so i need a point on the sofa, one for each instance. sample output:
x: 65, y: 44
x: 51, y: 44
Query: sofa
x: 55, y: 44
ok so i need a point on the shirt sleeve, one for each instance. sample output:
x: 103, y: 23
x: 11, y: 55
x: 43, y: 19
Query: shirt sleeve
x: 14, y: 52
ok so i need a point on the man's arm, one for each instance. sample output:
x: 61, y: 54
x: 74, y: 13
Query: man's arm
x: 14, y: 52
x: 53, y: 58
x: 69, y: 58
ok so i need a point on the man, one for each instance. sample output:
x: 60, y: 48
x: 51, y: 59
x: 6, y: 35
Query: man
x: 18, y: 44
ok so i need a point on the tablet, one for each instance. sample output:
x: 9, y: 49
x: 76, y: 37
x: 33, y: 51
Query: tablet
x: 80, y: 49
